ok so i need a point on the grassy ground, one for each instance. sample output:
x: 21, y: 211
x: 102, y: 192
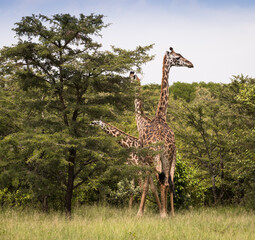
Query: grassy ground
x: 95, y: 222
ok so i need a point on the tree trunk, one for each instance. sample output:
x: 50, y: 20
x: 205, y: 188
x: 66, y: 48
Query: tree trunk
x: 70, y: 182
x: 44, y: 202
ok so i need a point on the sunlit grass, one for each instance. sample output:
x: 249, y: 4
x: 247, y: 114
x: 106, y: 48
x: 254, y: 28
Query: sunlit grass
x: 98, y: 222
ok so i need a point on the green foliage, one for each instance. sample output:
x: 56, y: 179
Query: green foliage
x: 125, y: 189
x: 189, y: 191
x: 151, y: 102
x: 215, y: 135
x: 185, y: 91
x: 16, y: 198
x: 246, y: 93
x: 9, y: 115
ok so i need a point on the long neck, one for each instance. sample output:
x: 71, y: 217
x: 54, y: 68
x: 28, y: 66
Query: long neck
x: 126, y: 141
x: 141, y: 119
x: 163, y: 101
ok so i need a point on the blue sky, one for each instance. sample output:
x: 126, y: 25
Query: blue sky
x: 217, y: 36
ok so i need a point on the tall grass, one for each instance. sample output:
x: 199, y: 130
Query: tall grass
x: 98, y: 222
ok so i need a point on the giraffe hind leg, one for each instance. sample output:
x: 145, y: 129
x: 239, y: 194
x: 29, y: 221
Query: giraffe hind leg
x: 171, y: 184
x: 172, y: 194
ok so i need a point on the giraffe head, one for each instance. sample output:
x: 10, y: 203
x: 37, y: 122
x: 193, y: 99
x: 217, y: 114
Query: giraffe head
x: 175, y: 59
x: 133, y: 76
x: 97, y: 122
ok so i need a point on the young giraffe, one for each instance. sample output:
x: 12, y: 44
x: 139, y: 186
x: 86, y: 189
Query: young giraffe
x: 141, y: 119
x: 157, y: 131
x: 141, y: 122
x: 130, y: 141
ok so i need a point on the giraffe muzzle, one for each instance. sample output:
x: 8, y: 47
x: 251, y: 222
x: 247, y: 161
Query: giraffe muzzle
x: 190, y: 65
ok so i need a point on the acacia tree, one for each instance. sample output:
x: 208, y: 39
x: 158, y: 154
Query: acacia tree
x: 216, y: 132
x: 200, y: 128
x: 68, y: 81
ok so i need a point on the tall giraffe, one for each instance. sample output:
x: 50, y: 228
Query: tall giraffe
x: 157, y: 131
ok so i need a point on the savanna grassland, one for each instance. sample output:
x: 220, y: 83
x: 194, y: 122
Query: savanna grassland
x: 108, y: 223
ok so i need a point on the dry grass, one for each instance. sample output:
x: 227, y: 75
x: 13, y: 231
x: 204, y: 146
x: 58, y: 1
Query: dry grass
x: 95, y: 222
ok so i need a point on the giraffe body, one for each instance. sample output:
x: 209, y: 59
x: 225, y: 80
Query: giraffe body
x: 158, y: 132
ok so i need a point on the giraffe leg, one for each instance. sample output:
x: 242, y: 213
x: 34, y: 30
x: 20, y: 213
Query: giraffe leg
x: 171, y: 181
x: 163, y: 213
x: 131, y: 199
x: 171, y: 193
x: 172, y: 202
x: 167, y: 188
x: 155, y: 192
x: 144, y: 193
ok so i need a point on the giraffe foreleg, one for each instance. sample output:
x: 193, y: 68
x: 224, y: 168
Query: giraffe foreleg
x: 171, y: 181
x: 155, y: 192
x: 143, y: 198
